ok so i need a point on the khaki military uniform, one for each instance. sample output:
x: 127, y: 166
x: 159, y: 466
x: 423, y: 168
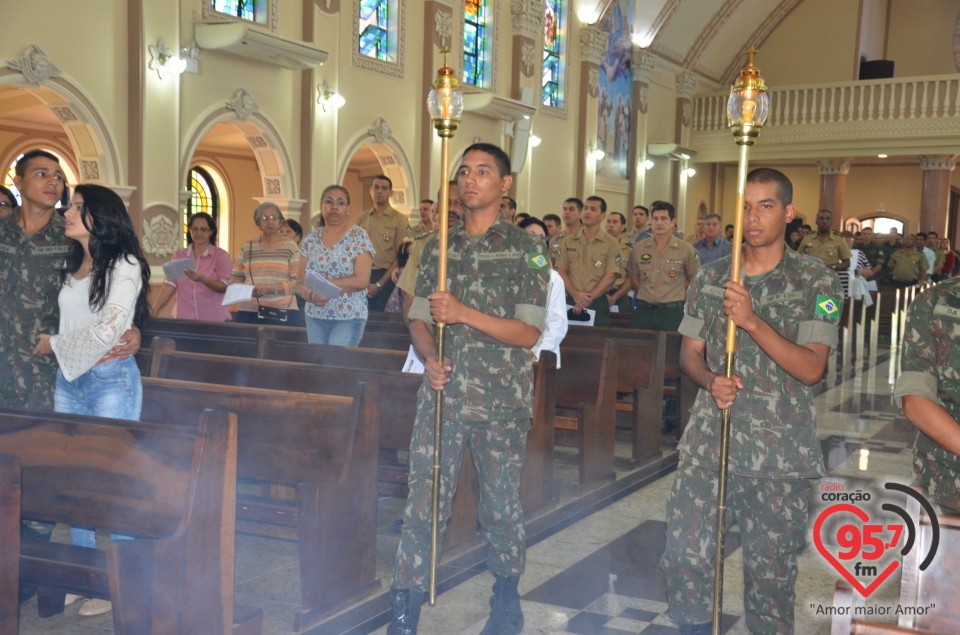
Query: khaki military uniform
x: 906, y: 266
x: 931, y: 369
x: 774, y: 447
x: 624, y: 303
x: 586, y: 262
x: 387, y: 231
x: 663, y: 281
x: 407, y: 282
x: 488, y: 402
x: 829, y: 250
x: 30, y: 281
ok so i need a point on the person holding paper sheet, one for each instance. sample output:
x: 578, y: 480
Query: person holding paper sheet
x: 270, y: 264
x: 342, y: 254
x: 200, y: 293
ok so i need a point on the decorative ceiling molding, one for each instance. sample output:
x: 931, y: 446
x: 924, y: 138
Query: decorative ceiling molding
x: 242, y: 104
x: 643, y: 64
x: 34, y: 65
x: 527, y: 17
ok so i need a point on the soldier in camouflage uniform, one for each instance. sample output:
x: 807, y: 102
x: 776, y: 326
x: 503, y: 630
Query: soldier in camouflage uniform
x: 494, y: 311
x: 786, y: 309
x: 929, y: 387
x: 33, y: 249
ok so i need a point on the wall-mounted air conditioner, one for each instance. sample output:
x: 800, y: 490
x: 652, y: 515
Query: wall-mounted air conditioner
x: 240, y: 39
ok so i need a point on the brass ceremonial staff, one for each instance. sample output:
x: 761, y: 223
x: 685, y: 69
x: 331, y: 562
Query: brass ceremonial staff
x: 445, y: 103
x: 747, y: 110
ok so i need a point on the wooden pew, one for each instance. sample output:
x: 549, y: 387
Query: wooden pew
x: 397, y: 396
x: 640, y: 374
x: 9, y: 543
x: 170, y: 486
x: 675, y: 383
x: 325, y: 447
x: 586, y: 416
x: 939, y: 583
x: 397, y: 408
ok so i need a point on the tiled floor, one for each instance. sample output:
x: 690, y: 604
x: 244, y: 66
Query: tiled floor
x: 595, y: 572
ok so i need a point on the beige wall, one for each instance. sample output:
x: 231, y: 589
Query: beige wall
x: 176, y: 111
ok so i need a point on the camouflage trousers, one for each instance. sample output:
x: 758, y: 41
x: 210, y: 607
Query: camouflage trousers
x: 772, y: 517
x: 940, y: 481
x: 497, y: 448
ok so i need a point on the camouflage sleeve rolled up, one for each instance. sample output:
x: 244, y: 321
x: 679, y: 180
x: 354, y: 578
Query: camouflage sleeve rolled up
x: 693, y: 325
x: 919, y: 360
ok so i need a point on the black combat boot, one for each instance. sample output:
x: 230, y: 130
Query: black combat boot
x: 406, y: 611
x: 696, y: 629
x: 506, y: 617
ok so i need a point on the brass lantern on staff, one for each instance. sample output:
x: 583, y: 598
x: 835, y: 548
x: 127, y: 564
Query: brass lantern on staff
x: 445, y: 102
x: 748, y: 105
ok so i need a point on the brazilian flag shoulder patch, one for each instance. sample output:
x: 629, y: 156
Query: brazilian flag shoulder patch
x: 538, y: 261
x: 827, y: 306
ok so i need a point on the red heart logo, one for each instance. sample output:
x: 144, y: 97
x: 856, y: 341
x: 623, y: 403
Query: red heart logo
x: 849, y: 576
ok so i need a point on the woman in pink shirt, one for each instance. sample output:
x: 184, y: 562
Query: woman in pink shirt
x: 199, y: 294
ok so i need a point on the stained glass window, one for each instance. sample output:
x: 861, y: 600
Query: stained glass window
x: 203, y: 198
x: 475, y: 43
x: 243, y: 9
x: 374, y: 29
x: 552, y: 54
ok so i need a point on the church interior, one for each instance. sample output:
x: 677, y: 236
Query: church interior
x: 217, y: 106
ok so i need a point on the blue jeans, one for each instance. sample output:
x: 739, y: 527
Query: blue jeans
x: 335, y: 332
x: 111, y: 389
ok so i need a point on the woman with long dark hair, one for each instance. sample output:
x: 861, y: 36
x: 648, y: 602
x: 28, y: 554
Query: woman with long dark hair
x: 104, y: 292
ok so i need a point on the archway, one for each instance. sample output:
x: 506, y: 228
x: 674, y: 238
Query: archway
x: 377, y: 152
x: 248, y: 162
x: 92, y: 147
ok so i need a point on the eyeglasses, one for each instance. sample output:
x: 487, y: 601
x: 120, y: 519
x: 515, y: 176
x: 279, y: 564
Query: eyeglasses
x: 263, y: 218
x: 339, y: 202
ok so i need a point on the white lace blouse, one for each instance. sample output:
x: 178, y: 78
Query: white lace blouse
x: 86, y: 336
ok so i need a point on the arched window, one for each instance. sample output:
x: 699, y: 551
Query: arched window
x: 476, y: 43
x: 882, y: 224
x: 71, y: 178
x: 203, y: 198
x: 554, y: 34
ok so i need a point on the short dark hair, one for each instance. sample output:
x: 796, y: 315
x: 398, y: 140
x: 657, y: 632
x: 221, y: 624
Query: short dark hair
x: 930, y: 233
x: 383, y: 177
x: 210, y: 223
x: 769, y: 175
x: 623, y: 219
x: 556, y: 219
x: 296, y: 227
x: 726, y: 227
x: 21, y: 167
x: 804, y: 226
x: 658, y: 206
x: 429, y: 201
x: 510, y: 202
x: 646, y: 210
x: 521, y: 216
x: 599, y: 199
x: 532, y: 220
x: 576, y: 201
x: 825, y: 210
x: 499, y: 156
x: 921, y: 235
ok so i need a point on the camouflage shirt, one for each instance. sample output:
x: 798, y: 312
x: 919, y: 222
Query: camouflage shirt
x: 504, y: 273
x: 931, y: 359
x: 774, y: 432
x: 30, y: 280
